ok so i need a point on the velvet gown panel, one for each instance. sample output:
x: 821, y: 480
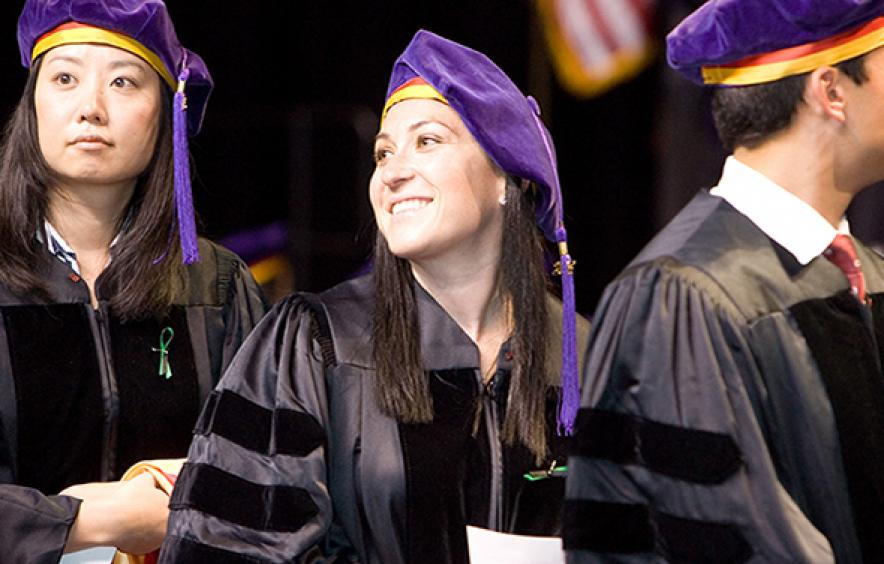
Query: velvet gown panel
x: 81, y: 397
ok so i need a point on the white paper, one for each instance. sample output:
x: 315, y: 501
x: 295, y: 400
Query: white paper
x: 491, y: 547
x: 90, y: 556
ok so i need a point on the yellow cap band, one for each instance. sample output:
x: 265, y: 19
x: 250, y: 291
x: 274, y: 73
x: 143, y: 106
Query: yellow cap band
x: 791, y: 61
x: 89, y: 34
x: 412, y: 91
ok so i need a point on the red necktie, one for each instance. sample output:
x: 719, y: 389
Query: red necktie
x: 843, y: 254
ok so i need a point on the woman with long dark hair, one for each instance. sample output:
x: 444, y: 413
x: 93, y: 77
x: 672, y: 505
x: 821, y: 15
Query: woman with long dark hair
x: 116, y: 320
x: 375, y: 421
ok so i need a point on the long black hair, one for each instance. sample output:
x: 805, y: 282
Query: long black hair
x: 402, y: 389
x: 145, y: 273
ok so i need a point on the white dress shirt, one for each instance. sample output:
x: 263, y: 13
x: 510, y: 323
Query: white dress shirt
x: 781, y: 215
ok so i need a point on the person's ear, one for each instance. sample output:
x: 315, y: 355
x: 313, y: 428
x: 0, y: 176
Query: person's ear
x: 501, y: 190
x: 825, y: 93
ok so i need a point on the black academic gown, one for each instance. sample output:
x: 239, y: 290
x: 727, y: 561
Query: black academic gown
x: 80, y: 394
x: 293, y: 460
x: 734, y: 405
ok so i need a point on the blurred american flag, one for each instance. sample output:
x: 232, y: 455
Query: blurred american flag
x: 596, y: 44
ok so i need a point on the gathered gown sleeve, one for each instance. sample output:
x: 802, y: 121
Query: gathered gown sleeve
x: 670, y: 463
x: 254, y: 488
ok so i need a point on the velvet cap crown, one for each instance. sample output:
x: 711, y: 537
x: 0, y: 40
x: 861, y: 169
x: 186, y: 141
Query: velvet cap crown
x: 145, y: 21
x: 503, y: 121
x: 742, y: 42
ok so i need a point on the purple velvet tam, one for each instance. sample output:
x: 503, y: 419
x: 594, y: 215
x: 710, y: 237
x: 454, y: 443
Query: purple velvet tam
x: 146, y: 21
x: 725, y: 31
x: 507, y: 126
x: 503, y: 121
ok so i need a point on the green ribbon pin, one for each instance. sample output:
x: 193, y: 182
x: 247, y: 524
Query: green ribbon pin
x: 552, y: 472
x: 165, y: 338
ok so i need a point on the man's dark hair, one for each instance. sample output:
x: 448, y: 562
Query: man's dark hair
x: 746, y: 116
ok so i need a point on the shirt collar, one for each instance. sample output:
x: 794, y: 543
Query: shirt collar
x: 781, y: 215
x: 57, y: 245
x: 55, y: 242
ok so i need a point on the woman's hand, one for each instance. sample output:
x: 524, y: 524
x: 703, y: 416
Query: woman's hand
x: 129, y: 515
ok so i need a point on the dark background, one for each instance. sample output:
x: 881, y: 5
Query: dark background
x: 298, y: 86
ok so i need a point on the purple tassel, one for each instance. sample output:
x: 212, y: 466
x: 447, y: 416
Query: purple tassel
x: 183, y: 195
x: 569, y: 402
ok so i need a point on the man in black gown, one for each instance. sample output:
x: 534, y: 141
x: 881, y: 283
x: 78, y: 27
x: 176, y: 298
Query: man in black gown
x: 733, y: 404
